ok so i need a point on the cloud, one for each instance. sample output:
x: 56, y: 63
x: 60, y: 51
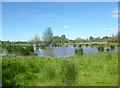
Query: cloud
x: 112, y: 30
x: 66, y: 26
x: 115, y: 13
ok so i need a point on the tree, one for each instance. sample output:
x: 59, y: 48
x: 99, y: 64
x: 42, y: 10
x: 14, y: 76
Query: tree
x: 35, y: 40
x: 55, y: 39
x: 63, y: 39
x: 47, y: 36
x: 78, y: 40
x: 91, y: 38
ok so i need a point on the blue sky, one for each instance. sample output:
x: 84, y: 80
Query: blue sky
x: 22, y: 20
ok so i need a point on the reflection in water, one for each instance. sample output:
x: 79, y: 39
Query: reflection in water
x: 66, y: 51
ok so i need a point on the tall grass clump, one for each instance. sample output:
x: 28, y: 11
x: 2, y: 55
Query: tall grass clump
x: 112, y: 47
x: 69, y: 73
x: 80, y: 45
x: 100, y: 48
x: 49, y: 73
x: 60, y: 45
x: 86, y: 44
x: 107, y: 50
x: 43, y: 47
x: 79, y: 52
x: 74, y: 45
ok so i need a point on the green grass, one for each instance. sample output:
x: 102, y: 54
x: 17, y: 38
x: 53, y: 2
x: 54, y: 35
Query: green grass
x: 87, y: 70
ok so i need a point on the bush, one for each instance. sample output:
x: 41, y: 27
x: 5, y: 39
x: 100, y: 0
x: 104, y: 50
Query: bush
x: 31, y: 48
x: 37, y: 46
x: 52, y: 45
x: 107, y: 50
x: 112, y: 47
x: 55, y: 45
x: 86, y: 44
x: 74, y: 45
x: 60, y: 45
x: 43, y: 47
x: 79, y: 45
x: 100, y: 48
x: 79, y: 52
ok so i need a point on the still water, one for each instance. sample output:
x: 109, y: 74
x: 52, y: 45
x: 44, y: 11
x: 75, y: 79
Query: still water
x: 66, y: 51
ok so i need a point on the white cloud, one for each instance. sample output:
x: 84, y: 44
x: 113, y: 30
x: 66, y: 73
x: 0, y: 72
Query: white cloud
x: 112, y: 30
x: 66, y: 26
x: 115, y: 13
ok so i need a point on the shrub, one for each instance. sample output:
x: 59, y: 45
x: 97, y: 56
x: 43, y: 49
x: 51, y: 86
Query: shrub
x: 61, y: 45
x: 79, y: 52
x: 31, y: 48
x: 43, y: 47
x: 112, y: 47
x: 37, y: 46
x: 86, y: 44
x: 55, y: 45
x: 58, y: 45
x: 74, y: 45
x: 100, y: 48
x: 52, y: 45
x: 80, y: 45
x: 107, y: 49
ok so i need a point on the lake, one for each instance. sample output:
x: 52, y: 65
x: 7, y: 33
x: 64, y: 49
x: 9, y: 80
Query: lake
x: 67, y: 51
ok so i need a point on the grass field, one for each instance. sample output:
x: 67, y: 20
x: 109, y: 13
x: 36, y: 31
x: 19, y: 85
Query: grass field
x: 87, y: 70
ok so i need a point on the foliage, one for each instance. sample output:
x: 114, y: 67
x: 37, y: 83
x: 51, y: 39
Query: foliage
x: 79, y: 51
x: 80, y: 45
x: 35, y: 40
x: 74, y: 45
x: 107, y: 49
x: 100, y: 48
x: 88, y: 70
x: 69, y: 73
x: 47, y: 36
x: 63, y: 39
x: 112, y: 47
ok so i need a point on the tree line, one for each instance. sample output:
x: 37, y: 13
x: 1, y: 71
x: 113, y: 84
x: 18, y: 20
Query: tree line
x: 48, y: 39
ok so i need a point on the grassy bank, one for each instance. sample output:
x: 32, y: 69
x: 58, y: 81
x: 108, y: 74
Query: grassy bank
x: 87, y: 70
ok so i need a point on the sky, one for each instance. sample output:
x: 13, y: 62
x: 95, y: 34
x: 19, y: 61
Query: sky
x: 22, y: 20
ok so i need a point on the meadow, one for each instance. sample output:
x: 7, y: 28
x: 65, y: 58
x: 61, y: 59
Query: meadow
x: 86, y: 70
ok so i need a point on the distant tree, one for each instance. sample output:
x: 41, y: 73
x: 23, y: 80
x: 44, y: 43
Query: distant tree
x: 35, y: 40
x: 105, y: 38
x: 91, y: 39
x: 47, y: 36
x: 56, y: 39
x: 63, y: 39
x: 78, y: 40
